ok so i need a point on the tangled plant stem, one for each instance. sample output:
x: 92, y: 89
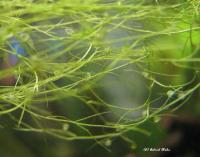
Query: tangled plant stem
x: 71, y: 47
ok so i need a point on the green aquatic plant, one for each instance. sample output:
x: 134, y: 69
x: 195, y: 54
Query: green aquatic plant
x: 72, y: 48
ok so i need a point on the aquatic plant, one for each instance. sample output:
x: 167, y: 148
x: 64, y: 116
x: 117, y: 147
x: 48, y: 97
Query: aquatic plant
x: 61, y: 53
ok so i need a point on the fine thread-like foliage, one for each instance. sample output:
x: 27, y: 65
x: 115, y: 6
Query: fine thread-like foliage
x: 64, y: 50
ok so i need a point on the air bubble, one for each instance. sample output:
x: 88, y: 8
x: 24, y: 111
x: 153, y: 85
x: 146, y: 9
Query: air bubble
x: 156, y: 119
x: 170, y: 93
x: 108, y: 142
x: 65, y: 127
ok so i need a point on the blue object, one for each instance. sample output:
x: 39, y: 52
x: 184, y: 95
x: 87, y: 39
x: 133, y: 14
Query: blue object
x: 17, y: 47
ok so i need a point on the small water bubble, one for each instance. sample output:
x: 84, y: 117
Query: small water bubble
x: 156, y: 119
x: 145, y: 74
x: 170, y: 93
x: 65, y: 127
x: 108, y: 142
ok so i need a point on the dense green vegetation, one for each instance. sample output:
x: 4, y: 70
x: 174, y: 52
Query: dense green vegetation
x: 97, y: 71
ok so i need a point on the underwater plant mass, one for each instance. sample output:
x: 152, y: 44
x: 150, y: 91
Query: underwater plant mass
x: 84, y: 78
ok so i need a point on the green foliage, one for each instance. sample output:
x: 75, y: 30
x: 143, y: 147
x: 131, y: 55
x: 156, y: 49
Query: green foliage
x: 73, y: 46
